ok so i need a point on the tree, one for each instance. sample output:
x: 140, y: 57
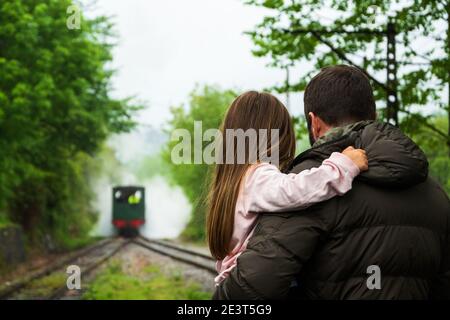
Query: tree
x: 55, y: 112
x: 208, y: 105
x: 437, y: 156
x: 423, y: 45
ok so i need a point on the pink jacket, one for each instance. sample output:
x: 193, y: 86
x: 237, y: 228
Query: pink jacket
x: 266, y: 189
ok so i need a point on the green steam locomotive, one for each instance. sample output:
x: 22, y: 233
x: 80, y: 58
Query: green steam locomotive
x: 128, y: 209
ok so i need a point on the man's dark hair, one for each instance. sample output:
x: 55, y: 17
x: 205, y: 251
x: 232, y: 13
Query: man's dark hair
x: 339, y: 95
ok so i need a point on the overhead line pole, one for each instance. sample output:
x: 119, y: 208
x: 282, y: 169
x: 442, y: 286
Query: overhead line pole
x: 391, y: 69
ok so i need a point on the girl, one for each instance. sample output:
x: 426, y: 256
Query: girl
x: 240, y: 191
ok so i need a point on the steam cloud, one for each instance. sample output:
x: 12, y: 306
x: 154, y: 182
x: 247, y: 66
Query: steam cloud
x: 167, y: 208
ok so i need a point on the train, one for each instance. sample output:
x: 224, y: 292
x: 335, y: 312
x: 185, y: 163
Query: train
x: 128, y: 209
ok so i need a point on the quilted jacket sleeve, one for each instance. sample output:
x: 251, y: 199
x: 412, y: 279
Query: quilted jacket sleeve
x: 275, y: 255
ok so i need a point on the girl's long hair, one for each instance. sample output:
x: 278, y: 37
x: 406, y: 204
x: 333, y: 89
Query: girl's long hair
x: 251, y: 110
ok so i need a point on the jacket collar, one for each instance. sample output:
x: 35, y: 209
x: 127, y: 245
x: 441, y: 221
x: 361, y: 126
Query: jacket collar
x: 336, y: 139
x: 338, y: 132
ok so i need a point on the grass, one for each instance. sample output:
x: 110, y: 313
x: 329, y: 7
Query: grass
x: 43, y: 287
x: 70, y: 244
x: 114, y: 284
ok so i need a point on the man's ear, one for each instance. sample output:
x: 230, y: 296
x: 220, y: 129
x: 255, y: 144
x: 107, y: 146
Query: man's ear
x: 318, y: 126
x: 315, y: 125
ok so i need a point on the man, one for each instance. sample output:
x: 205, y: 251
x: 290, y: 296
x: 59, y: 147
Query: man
x: 388, y: 238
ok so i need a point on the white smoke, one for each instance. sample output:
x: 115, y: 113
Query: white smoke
x: 103, y: 205
x: 167, y: 209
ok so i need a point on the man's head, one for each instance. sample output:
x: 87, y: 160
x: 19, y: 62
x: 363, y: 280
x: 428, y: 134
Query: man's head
x: 336, y: 96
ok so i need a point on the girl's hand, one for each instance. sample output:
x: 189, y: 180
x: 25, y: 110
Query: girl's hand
x: 358, y: 156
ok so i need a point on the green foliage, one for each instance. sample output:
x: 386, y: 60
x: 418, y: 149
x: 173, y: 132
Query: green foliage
x: 4, y: 220
x: 151, y: 166
x: 301, y: 134
x: 55, y: 112
x: 207, y: 104
x: 114, y: 284
x: 423, y: 71
x: 438, y: 157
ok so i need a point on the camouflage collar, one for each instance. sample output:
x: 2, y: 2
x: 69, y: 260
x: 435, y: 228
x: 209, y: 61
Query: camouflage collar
x: 335, y: 139
x: 338, y: 132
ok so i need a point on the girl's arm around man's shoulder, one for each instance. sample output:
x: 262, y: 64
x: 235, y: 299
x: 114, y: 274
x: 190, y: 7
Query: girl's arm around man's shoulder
x: 266, y: 189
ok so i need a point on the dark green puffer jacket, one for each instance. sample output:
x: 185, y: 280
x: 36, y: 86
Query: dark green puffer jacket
x: 395, y: 217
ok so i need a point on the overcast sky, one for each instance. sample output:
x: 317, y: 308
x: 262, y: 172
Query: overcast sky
x: 166, y: 47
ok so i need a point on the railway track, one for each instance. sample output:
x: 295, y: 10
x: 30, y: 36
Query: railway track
x: 88, y: 264
x: 178, y: 252
x: 87, y: 259
x: 92, y: 257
